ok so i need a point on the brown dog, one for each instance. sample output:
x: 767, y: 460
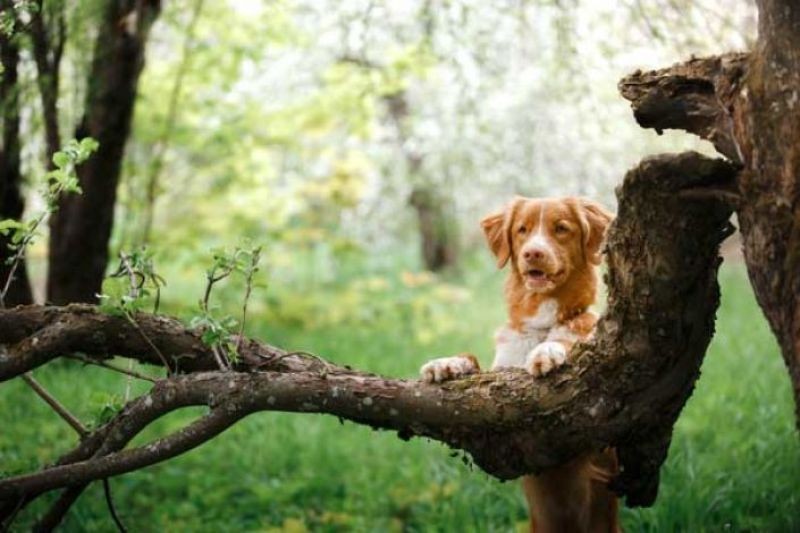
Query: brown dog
x: 554, y: 246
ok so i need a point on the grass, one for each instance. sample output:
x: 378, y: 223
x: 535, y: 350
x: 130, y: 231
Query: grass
x: 734, y: 461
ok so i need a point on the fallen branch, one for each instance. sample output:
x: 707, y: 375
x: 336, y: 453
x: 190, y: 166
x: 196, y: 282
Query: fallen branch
x: 625, y: 388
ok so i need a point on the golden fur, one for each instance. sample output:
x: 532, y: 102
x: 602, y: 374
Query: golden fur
x: 553, y: 246
x: 573, y: 496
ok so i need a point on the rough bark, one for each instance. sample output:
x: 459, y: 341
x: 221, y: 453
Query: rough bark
x: 625, y: 388
x: 11, y: 202
x: 759, y: 94
x: 36, y: 335
x: 692, y: 96
x: 81, y: 229
x: 768, y: 130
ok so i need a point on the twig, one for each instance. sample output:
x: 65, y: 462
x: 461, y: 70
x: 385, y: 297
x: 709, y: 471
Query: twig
x: 149, y: 342
x: 211, y: 279
x: 111, y: 508
x: 304, y: 353
x: 115, y: 368
x: 220, y: 360
x: 251, y: 270
x: 62, y: 411
x: 19, y: 256
x: 135, y: 278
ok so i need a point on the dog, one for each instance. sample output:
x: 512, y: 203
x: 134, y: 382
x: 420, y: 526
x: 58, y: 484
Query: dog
x: 554, y: 246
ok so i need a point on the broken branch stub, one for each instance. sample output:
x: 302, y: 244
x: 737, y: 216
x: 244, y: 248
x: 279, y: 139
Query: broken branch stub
x: 697, y: 96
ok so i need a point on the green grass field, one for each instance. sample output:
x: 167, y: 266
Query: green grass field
x: 734, y: 462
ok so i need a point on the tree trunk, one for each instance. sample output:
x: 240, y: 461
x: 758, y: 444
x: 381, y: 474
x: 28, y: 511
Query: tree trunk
x: 48, y: 47
x: 11, y: 203
x: 436, y: 231
x: 81, y: 229
x: 748, y: 106
x: 767, y: 127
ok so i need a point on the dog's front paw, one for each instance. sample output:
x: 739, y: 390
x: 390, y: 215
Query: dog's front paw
x: 546, y: 357
x: 446, y: 368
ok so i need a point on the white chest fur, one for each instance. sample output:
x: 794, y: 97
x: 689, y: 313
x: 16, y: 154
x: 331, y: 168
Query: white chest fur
x: 512, y: 347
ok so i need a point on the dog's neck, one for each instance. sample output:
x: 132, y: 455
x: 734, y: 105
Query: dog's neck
x: 574, y: 296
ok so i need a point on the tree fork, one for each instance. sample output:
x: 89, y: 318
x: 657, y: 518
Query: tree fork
x: 758, y: 96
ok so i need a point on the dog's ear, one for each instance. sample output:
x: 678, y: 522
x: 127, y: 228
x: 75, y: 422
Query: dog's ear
x: 595, y: 220
x: 497, y: 230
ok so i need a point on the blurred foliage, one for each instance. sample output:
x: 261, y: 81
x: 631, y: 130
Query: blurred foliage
x: 281, y: 130
x: 417, y: 304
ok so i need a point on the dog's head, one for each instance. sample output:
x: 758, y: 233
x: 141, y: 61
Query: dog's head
x: 547, y: 239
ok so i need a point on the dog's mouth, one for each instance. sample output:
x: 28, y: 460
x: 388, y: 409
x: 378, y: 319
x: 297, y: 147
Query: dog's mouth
x: 535, y: 274
x: 536, y: 278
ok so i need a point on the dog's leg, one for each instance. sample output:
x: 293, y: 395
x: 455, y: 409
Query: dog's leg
x: 574, y: 496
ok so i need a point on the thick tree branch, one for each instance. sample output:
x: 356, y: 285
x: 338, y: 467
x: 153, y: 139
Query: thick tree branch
x: 696, y: 96
x: 625, y: 388
x: 35, y: 335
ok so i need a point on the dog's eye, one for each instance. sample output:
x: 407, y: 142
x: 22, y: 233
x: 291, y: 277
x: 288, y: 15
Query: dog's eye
x: 562, y: 229
x: 522, y: 230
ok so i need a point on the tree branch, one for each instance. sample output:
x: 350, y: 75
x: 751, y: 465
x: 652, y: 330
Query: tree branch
x: 175, y: 444
x: 50, y: 400
x: 114, y: 368
x: 696, y: 96
x: 625, y: 388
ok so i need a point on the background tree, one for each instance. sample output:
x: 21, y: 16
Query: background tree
x: 81, y: 229
x: 11, y: 202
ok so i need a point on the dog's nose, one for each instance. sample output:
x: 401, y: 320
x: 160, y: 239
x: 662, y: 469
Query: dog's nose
x: 531, y: 254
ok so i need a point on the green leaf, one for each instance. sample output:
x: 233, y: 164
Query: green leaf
x: 8, y: 225
x: 61, y: 160
x: 210, y: 337
x: 88, y: 145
